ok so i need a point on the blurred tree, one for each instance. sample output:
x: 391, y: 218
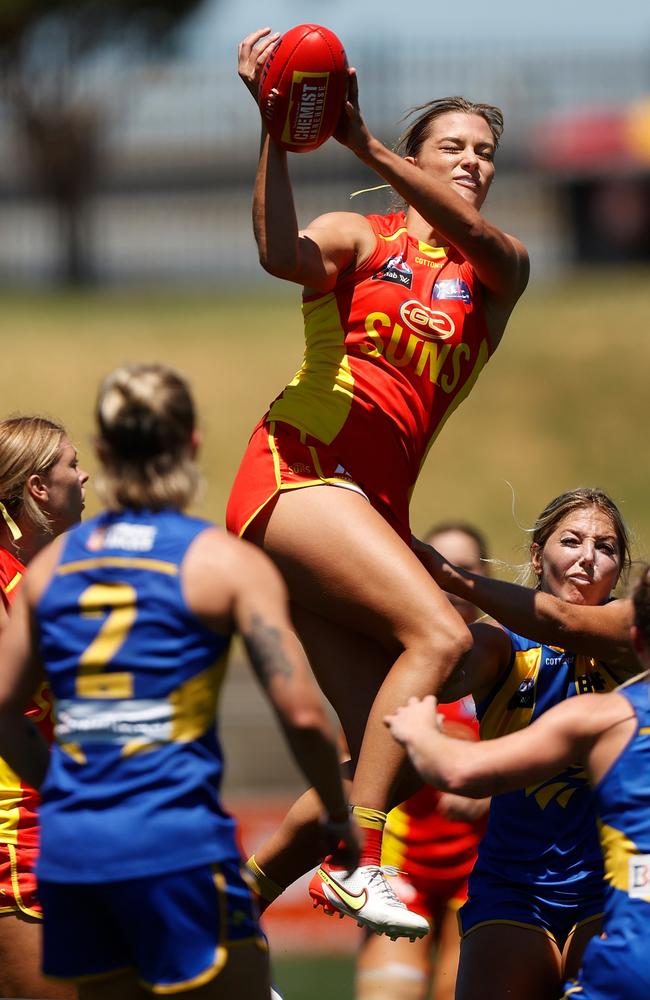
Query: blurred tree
x: 46, y: 46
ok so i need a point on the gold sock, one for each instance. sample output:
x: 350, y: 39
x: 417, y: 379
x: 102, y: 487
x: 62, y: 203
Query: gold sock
x: 369, y: 819
x: 262, y: 884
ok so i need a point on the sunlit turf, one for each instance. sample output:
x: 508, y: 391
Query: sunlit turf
x: 563, y: 403
x: 322, y: 977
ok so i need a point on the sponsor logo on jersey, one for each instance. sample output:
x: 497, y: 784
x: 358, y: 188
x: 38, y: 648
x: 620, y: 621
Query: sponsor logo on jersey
x: 452, y: 288
x: 561, y: 788
x: 430, y: 323
x: 425, y: 348
x: 130, y: 537
x: 524, y: 696
x: 589, y: 682
x: 436, y: 264
x: 395, y: 270
x: 639, y: 876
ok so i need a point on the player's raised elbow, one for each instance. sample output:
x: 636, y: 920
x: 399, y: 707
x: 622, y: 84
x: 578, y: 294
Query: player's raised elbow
x: 308, y: 719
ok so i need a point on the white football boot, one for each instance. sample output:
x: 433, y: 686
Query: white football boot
x: 366, y: 896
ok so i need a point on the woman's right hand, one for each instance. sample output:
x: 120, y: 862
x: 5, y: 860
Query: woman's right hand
x: 342, y: 842
x: 252, y: 53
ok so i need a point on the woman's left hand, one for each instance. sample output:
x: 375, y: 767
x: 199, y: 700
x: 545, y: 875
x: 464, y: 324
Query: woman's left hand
x: 351, y: 130
x: 418, y: 717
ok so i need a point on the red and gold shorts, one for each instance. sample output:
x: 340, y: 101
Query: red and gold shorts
x: 18, y: 881
x: 430, y: 896
x: 280, y: 457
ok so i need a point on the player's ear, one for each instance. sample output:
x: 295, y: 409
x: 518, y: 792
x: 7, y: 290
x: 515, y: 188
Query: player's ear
x: 37, y: 488
x: 196, y: 441
x: 536, y: 559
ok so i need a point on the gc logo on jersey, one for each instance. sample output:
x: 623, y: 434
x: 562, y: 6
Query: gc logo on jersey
x: 395, y: 270
x: 430, y: 323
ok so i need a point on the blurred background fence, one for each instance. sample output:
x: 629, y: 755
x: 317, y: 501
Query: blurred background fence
x: 167, y: 194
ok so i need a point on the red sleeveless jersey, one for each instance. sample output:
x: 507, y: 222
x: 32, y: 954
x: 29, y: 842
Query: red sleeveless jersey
x: 18, y: 801
x: 390, y: 353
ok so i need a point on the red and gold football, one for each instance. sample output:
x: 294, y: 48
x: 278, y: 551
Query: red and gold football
x: 308, y: 70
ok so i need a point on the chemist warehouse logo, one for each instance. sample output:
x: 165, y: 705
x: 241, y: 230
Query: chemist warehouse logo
x: 429, y: 323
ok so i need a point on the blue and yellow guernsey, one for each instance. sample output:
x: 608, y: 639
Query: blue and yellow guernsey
x: 545, y: 835
x: 133, y: 785
x: 618, y: 965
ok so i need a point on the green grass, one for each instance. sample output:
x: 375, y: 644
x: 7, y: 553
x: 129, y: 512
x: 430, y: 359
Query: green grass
x: 562, y: 404
x: 322, y: 977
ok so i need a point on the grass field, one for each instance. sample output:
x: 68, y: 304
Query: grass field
x: 322, y: 977
x: 561, y: 404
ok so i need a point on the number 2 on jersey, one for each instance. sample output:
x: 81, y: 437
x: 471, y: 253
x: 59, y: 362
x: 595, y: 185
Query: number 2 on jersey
x: 116, y: 604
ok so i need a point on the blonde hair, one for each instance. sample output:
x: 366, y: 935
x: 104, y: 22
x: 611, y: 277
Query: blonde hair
x: 28, y: 446
x: 145, y: 418
x: 414, y: 136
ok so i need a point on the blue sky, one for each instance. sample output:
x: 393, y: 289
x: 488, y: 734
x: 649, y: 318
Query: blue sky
x: 562, y: 23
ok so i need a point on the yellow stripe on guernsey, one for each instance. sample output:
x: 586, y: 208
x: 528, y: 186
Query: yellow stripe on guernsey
x: 479, y: 364
x: 392, y: 236
x: 319, y: 397
x: 498, y: 720
x: 13, y: 583
x: 12, y: 796
x: 436, y: 253
x: 619, y: 853
x: 120, y: 562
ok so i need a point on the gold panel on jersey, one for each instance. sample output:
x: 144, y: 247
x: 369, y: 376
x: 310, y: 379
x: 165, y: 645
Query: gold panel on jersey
x: 194, y: 703
x: 105, y: 685
x: 498, y: 719
x: 319, y: 396
x: 618, y: 851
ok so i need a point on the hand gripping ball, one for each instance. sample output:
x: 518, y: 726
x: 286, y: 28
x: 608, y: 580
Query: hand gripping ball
x: 308, y: 71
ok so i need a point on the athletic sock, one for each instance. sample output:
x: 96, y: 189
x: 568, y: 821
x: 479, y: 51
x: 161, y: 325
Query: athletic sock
x: 264, y: 887
x: 371, y: 822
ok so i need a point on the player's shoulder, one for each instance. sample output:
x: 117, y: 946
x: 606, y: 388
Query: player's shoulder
x: 216, y: 551
x: 340, y: 222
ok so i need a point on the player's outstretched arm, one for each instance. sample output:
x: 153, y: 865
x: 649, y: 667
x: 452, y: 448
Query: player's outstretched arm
x: 313, y: 257
x: 563, y: 735
x: 602, y: 631
x: 500, y: 261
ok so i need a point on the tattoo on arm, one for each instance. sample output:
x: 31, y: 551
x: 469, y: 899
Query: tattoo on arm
x: 265, y: 650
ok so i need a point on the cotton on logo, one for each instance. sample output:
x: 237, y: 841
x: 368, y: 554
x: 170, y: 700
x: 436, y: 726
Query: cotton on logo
x: 429, y: 323
x: 639, y: 877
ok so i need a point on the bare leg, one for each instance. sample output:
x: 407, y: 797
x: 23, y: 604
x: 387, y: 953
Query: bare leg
x: 576, y: 944
x: 294, y: 848
x: 344, y: 563
x: 446, y: 968
x: 501, y: 961
x: 398, y: 969
x: 20, y: 961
